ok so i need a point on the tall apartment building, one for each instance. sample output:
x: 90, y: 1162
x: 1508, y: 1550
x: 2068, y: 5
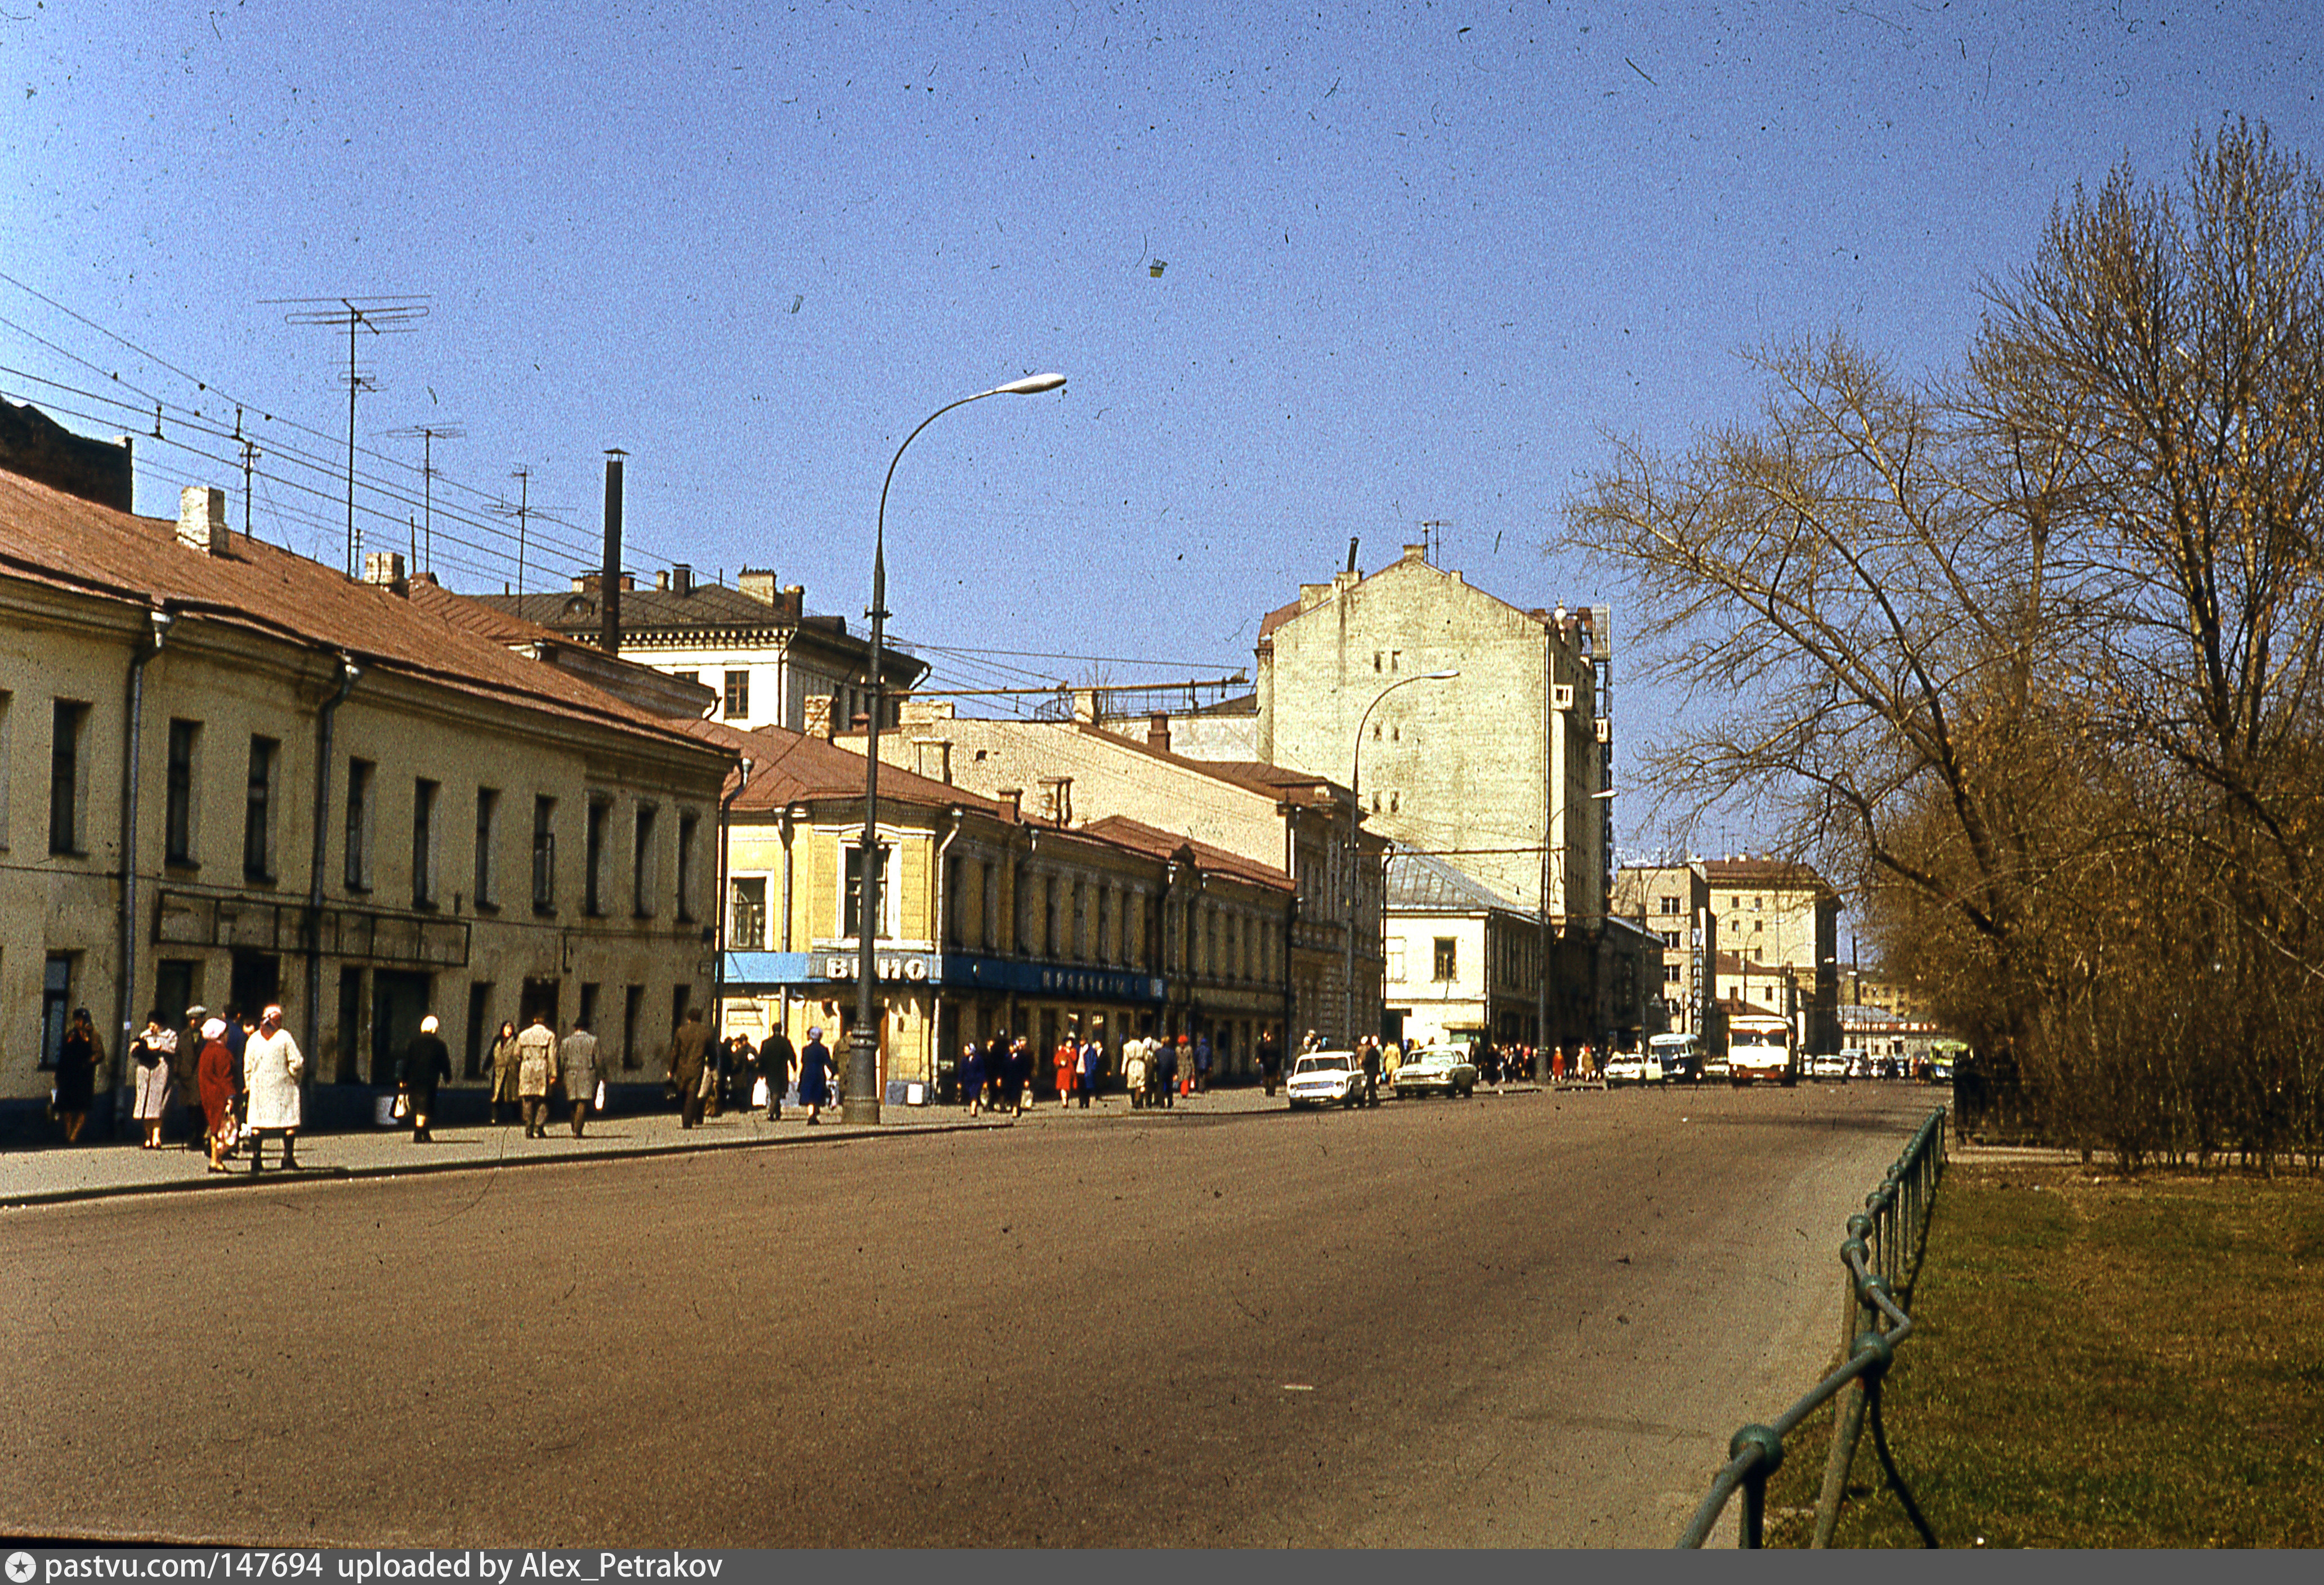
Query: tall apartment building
x: 1672, y: 903
x: 1506, y: 770
x: 1776, y: 915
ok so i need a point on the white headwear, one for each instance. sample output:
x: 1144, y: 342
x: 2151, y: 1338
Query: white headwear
x: 214, y: 1029
x: 428, y: 1024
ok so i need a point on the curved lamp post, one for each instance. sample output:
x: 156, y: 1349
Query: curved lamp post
x: 1355, y: 814
x: 860, y: 1102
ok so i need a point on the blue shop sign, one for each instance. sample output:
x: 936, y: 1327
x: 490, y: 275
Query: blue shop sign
x: 748, y: 971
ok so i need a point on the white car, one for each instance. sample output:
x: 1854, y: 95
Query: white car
x: 1445, y: 1069
x: 1632, y: 1067
x: 1326, y: 1078
x: 1829, y: 1065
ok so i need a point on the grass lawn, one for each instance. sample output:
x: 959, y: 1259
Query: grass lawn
x: 2098, y: 1362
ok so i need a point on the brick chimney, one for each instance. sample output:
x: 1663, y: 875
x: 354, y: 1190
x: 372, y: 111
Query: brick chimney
x: 818, y: 716
x: 1158, y: 731
x: 382, y: 567
x: 681, y: 578
x: 201, y: 519
x: 758, y: 583
x: 1012, y: 804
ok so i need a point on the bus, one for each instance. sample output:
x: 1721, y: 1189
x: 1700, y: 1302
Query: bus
x: 1680, y: 1057
x: 1759, y: 1050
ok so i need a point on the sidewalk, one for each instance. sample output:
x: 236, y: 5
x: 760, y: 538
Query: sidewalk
x: 54, y: 1173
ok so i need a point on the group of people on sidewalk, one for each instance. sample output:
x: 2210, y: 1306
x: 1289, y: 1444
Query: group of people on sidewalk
x: 235, y: 1079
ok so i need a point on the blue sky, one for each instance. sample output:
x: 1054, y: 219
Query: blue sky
x: 1419, y: 259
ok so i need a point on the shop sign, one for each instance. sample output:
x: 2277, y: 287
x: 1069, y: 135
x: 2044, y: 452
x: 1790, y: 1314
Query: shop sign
x: 887, y: 965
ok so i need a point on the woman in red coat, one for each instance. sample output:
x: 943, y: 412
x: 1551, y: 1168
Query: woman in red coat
x: 216, y: 1076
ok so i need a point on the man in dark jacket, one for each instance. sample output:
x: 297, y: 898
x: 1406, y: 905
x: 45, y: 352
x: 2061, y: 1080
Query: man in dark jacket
x: 689, y: 1052
x: 776, y: 1060
x: 426, y: 1063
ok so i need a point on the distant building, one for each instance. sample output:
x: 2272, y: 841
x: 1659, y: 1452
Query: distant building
x: 1463, y: 963
x: 1672, y: 902
x: 1506, y: 770
x: 754, y: 646
x: 1778, y: 915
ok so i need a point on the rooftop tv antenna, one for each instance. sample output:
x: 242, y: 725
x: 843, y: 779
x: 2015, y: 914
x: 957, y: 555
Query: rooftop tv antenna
x: 524, y: 511
x: 1431, y: 537
x: 429, y: 434
x: 381, y: 315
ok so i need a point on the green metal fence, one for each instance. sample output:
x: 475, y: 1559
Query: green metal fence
x: 1882, y: 1255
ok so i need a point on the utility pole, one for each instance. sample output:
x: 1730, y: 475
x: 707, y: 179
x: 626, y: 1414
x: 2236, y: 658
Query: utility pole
x: 381, y: 315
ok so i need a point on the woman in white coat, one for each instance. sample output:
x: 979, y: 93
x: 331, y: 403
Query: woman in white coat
x: 271, y: 1066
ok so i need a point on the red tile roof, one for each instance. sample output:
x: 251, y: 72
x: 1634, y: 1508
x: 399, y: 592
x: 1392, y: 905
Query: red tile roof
x: 787, y: 767
x: 1141, y: 837
x: 64, y: 542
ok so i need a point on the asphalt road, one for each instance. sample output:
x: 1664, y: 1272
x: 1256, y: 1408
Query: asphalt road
x: 1531, y: 1320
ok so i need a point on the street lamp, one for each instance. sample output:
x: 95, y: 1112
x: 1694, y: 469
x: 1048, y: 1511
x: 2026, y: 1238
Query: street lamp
x: 860, y: 1102
x: 1355, y: 812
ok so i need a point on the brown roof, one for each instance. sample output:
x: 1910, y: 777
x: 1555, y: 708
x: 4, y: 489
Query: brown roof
x: 50, y: 538
x: 1252, y: 775
x: 1772, y: 873
x: 1141, y: 837
x: 789, y: 766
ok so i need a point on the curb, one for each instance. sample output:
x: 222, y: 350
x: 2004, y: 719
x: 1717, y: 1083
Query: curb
x: 247, y: 1179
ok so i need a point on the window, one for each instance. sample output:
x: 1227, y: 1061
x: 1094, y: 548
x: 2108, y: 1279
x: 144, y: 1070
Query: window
x: 593, y: 859
x: 746, y: 927
x: 1448, y: 959
x: 1670, y: 905
x: 1396, y: 962
x: 67, y: 789
x: 633, y: 1012
x: 178, y: 818
x: 361, y: 774
x: 738, y: 694
x: 56, y: 998
x: 694, y: 677
x: 689, y: 826
x: 645, y: 875
x: 423, y: 843
x: 1670, y: 939
x: 258, y: 811
x: 851, y: 924
x: 488, y: 822
x: 544, y: 855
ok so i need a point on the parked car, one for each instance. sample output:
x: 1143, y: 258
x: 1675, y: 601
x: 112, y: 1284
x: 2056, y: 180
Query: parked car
x: 1632, y: 1067
x: 1326, y: 1078
x: 1828, y: 1064
x: 1444, y: 1070
x: 1715, y: 1067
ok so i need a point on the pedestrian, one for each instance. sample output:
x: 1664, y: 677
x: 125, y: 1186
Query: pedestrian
x: 1271, y: 1059
x: 1202, y: 1064
x: 78, y: 1056
x: 238, y: 1031
x: 1166, y: 1071
x: 214, y: 1072
x: 1133, y: 1072
x: 504, y: 1063
x: 689, y: 1066
x: 1310, y: 1043
x: 741, y: 1064
x: 1021, y: 1075
x: 577, y: 1063
x: 1064, y: 1058
x: 426, y: 1062
x: 152, y: 1049
x: 188, y: 1079
x: 536, y: 1067
x: 996, y: 1068
x: 274, y: 1066
x: 1369, y: 1052
x: 1391, y: 1059
x: 1092, y: 1063
x: 776, y: 1060
x: 972, y: 1077
x: 815, y: 1076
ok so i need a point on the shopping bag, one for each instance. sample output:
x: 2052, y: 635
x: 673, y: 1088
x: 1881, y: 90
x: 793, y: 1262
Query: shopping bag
x: 758, y: 1093
x: 402, y: 1107
x: 599, y: 1101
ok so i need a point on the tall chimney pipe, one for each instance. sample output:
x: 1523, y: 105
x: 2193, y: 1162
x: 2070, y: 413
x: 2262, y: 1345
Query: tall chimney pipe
x: 609, y: 589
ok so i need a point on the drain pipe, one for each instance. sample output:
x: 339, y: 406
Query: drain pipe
x: 132, y: 739
x: 312, y: 927
x: 717, y: 931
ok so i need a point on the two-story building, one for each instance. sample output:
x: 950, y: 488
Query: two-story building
x: 1302, y: 826
x: 232, y: 775
x: 990, y: 919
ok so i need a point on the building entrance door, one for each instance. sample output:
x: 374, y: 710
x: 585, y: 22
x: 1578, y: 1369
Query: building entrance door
x: 256, y: 982
x: 399, y: 1000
